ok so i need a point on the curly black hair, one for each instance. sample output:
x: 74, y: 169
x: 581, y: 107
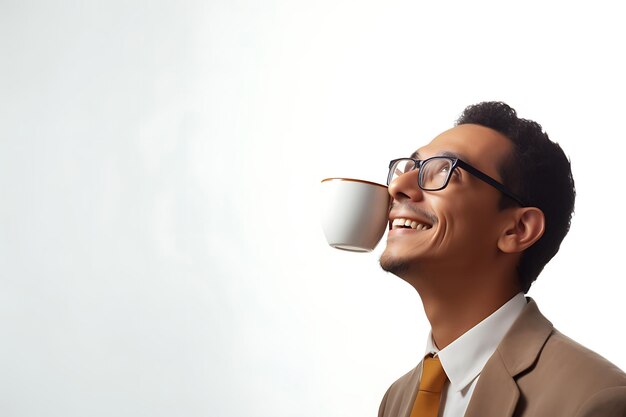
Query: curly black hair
x: 538, y: 172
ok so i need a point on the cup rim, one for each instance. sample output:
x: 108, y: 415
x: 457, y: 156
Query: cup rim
x: 354, y: 180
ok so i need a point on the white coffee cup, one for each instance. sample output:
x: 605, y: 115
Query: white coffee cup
x: 354, y: 213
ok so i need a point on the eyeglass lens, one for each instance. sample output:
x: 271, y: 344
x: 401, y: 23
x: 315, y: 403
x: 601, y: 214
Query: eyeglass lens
x: 433, y: 173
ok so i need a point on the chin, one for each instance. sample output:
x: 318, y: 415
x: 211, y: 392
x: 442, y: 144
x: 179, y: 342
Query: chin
x: 394, y: 264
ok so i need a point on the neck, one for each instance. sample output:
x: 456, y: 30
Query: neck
x: 453, y: 309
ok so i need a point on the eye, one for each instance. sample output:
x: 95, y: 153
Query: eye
x: 439, y: 167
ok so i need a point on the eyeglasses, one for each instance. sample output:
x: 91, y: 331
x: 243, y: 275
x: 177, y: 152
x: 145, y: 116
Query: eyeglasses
x: 434, y: 173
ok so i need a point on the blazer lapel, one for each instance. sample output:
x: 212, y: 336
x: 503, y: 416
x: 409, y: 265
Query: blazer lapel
x: 496, y: 393
x: 409, y: 399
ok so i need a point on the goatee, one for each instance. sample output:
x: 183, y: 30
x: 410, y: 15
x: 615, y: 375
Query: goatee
x: 392, y: 264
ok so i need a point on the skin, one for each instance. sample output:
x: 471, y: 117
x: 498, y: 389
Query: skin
x: 463, y: 266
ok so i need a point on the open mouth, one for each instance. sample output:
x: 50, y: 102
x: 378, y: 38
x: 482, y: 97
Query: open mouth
x: 402, y: 223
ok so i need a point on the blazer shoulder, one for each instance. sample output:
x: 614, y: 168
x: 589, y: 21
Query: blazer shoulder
x: 400, y: 394
x: 568, y: 379
x: 608, y: 402
x: 575, y: 360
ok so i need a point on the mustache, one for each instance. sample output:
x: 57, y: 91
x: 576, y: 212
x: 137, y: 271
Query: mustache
x: 416, y: 210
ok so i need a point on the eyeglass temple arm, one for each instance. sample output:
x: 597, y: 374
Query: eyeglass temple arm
x: 481, y: 175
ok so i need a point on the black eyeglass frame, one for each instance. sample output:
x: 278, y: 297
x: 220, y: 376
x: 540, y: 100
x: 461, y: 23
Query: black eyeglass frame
x: 456, y: 162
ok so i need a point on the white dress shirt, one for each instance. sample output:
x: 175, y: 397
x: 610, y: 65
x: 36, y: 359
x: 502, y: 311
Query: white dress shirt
x: 464, y: 359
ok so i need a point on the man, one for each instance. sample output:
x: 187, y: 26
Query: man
x: 475, y: 216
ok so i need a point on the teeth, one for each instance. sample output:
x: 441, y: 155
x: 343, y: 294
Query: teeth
x: 400, y: 222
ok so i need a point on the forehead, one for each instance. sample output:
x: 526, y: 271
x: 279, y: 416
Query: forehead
x: 477, y: 145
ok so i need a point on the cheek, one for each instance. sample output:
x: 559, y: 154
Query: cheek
x: 466, y: 222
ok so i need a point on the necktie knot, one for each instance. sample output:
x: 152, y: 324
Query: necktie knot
x: 433, y: 375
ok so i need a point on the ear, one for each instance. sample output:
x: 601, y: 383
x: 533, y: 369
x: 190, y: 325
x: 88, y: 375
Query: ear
x: 525, y: 228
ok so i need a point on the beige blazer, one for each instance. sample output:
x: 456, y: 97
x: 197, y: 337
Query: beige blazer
x: 535, y: 371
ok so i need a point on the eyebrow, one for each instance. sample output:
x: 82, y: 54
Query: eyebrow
x: 416, y: 155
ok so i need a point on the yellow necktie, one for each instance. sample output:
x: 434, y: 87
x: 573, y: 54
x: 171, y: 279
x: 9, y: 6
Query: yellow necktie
x: 429, y: 394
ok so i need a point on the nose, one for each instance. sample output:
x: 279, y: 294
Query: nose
x: 405, y: 187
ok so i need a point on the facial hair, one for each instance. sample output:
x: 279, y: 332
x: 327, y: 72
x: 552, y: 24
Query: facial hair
x: 392, y: 264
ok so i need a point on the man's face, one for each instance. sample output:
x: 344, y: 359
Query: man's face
x: 457, y: 227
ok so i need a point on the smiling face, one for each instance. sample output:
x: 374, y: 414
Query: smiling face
x: 454, y: 231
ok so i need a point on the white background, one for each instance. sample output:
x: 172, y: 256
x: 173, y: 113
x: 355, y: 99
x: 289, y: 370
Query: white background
x: 160, y: 246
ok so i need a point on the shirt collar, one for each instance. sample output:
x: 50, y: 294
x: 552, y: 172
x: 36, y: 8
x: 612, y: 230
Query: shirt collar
x: 464, y: 359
